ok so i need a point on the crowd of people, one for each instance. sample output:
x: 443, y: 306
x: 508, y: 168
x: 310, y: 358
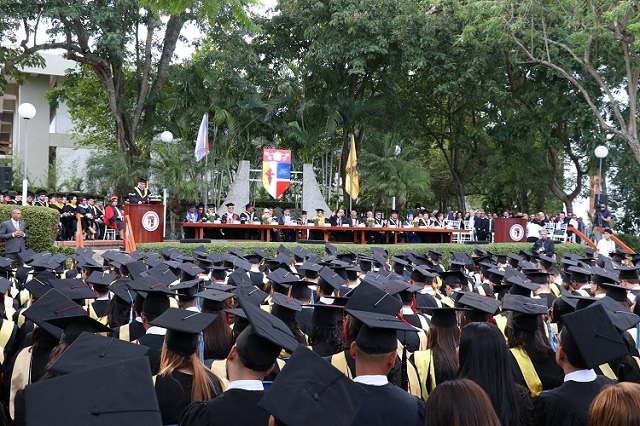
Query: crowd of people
x: 293, y: 339
x: 480, y: 223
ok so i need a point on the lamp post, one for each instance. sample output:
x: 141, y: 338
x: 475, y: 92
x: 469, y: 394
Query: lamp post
x: 27, y: 111
x: 166, y: 137
x: 600, y: 152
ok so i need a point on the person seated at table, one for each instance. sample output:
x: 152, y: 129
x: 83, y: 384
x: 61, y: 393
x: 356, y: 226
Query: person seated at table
x: 230, y: 217
x: 288, y: 235
x: 318, y: 219
x: 191, y: 216
x: 210, y: 217
x: 339, y: 220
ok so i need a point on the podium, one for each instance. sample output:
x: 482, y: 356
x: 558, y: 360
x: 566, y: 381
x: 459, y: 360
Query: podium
x: 510, y: 230
x: 146, y: 222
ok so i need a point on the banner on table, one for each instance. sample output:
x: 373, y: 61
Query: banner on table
x: 276, y: 171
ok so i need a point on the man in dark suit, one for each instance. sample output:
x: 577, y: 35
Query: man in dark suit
x: 481, y: 226
x: 14, y: 232
x: 544, y: 245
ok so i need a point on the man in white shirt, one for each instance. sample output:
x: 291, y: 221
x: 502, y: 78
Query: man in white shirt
x: 606, y: 245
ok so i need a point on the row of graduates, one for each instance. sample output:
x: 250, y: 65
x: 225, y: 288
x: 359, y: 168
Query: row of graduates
x: 381, y: 316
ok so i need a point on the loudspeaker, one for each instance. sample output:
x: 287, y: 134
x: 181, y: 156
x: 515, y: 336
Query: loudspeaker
x: 602, y: 199
x: 196, y: 240
x: 5, y: 177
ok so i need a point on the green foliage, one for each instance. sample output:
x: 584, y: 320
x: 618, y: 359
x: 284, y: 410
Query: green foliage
x: 392, y: 249
x: 633, y: 241
x: 42, y: 225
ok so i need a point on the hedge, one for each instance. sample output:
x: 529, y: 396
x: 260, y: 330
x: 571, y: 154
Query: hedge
x: 392, y: 249
x: 42, y: 225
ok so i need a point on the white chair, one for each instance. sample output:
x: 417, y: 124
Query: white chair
x: 561, y: 233
x: 109, y: 234
x: 464, y: 237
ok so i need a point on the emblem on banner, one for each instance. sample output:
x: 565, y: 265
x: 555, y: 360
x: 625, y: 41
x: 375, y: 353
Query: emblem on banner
x: 276, y: 171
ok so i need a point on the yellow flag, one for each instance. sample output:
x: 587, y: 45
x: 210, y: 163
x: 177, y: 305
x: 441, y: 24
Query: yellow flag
x: 352, y: 183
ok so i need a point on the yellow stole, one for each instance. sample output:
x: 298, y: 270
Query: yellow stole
x: 20, y: 378
x: 423, y: 361
x: 528, y: 371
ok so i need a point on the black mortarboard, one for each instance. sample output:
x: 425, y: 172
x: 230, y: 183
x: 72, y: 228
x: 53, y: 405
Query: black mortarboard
x: 615, y: 291
x: 53, y: 304
x: 445, y: 317
x: 260, y: 343
x: 75, y: 289
x: 453, y: 278
x: 330, y: 249
x: 37, y: 287
x: 187, y: 289
x: 183, y: 328
x: 300, y: 290
x: 525, y: 313
x: 331, y: 277
x: 622, y: 318
x: 538, y: 277
x: 251, y: 294
x: 142, y: 180
x: 229, y: 205
x: 378, y: 334
x: 74, y: 326
x: 163, y: 275
x: 121, y: 289
x: 367, y: 297
x: 546, y: 261
x: 103, y: 279
x: 601, y: 276
x: 478, y: 302
x: 312, y: 392
x: 213, y: 300
x: 521, y: 287
x: 285, y: 307
x: 578, y: 274
x: 155, y: 304
x: 325, y: 316
x: 120, y: 394
x: 91, y: 350
x: 26, y: 256
x: 592, y: 336
x: 619, y: 256
x: 628, y: 272
x: 5, y: 284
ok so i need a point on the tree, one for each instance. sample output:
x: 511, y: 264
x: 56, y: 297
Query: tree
x: 105, y: 37
x: 587, y: 43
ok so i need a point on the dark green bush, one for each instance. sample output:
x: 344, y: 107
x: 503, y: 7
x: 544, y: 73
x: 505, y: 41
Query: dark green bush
x: 633, y: 241
x: 42, y: 225
x: 392, y: 249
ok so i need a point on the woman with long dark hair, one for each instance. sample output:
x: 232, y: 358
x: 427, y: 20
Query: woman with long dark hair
x: 459, y: 403
x: 439, y: 362
x: 182, y: 379
x: 285, y: 308
x: 218, y: 336
x: 484, y: 358
x: 325, y: 337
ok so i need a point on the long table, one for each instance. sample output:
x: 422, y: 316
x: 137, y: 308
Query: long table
x: 359, y: 233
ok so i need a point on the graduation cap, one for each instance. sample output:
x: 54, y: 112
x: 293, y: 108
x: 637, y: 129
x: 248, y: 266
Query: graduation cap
x: 590, y: 338
x: 525, y: 313
x: 622, y: 318
x: 619, y: 256
x: 615, y: 291
x: 330, y: 277
x: 378, y: 334
x: 579, y: 275
x: 367, y: 297
x: 312, y: 392
x: 285, y: 307
x: 213, y: 300
x: 163, y: 275
x: 525, y: 255
x: 73, y: 326
x: 120, y: 393
x: 300, y: 253
x: 479, y: 304
x: 479, y: 251
x: 628, y: 272
x: 601, y: 276
x: 261, y: 342
x: 251, y: 294
x: 75, y: 289
x: 183, y: 328
x: 187, y: 289
x: 445, y: 317
x: 521, y: 287
x: 538, y: 277
x: 310, y: 269
x: 326, y: 315
x: 101, y: 278
x: 229, y: 205
x: 330, y: 249
x: 91, y: 350
x: 26, y: 255
x: 453, y: 278
x: 53, y: 304
x: 300, y: 290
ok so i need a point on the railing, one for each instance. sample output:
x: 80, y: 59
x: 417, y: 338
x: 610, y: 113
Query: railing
x: 582, y: 236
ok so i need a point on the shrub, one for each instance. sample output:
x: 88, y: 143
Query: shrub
x: 392, y: 249
x: 633, y: 241
x: 42, y: 225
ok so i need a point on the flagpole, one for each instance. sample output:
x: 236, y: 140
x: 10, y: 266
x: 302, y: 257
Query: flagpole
x: 350, y: 186
x: 206, y: 192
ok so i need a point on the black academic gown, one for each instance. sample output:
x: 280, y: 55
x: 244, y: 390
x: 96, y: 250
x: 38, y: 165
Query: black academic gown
x: 567, y: 405
x: 174, y: 394
x: 235, y: 407
x: 136, y: 330
x: 389, y: 405
x: 549, y: 372
x: 304, y: 319
x: 100, y: 307
x: 154, y: 342
x: 425, y: 301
